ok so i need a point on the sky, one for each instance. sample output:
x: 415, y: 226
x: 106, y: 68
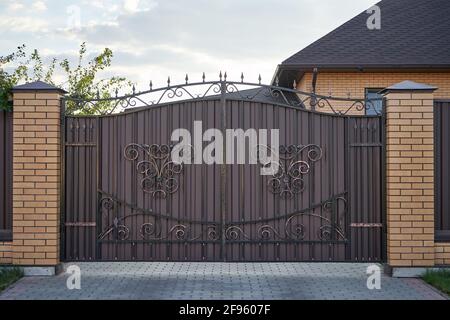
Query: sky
x: 153, y: 39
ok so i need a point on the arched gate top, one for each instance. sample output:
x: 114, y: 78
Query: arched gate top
x: 224, y: 90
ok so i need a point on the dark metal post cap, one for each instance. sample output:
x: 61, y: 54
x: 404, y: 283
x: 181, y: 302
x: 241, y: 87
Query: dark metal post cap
x: 408, y: 85
x: 37, y: 86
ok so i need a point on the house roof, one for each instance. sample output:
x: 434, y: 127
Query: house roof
x: 413, y: 34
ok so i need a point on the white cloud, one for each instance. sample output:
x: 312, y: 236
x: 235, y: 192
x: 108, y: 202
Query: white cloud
x: 39, y: 6
x: 95, y: 3
x: 102, y: 5
x: 22, y: 24
x: 15, y: 6
x: 133, y: 6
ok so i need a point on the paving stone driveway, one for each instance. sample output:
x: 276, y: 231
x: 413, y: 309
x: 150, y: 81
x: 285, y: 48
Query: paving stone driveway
x: 165, y: 280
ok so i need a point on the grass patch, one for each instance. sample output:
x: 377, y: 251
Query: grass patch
x: 8, y: 276
x: 439, y: 279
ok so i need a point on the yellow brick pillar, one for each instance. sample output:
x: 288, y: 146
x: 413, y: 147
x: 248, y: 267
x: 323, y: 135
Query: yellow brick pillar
x: 36, y: 174
x: 409, y: 178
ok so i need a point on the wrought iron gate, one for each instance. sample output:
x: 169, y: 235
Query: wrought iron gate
x: 126, y: 200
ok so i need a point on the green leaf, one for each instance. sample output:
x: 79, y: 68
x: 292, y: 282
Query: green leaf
x: 81, y: 82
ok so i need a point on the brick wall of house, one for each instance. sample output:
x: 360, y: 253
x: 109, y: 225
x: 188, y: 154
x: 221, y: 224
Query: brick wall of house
x: 5, y: 252
x: 342, y: 83
x: 36, y: 178
x: 353, y: 85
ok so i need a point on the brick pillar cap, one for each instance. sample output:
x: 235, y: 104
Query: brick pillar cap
x: 408, y: 85
x: 37, y: 86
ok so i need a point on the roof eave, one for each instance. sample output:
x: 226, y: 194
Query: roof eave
x: 302, y: 68
x: 364, y: 66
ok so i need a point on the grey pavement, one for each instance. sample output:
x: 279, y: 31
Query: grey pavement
x: 236, y: 281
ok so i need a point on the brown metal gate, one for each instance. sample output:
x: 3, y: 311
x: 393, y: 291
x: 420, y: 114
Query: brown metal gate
x: 125, y: 200
x: 6, y: 166
x: 441, y: 159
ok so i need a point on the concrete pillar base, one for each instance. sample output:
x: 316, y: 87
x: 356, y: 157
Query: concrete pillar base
x: 42, y: 271
x: 409, y: 272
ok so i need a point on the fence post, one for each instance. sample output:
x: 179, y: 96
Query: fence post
x: 409, y: 178
x: 36, y: 176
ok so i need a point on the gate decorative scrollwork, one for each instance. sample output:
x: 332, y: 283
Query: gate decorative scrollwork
x: 331, y: 216
x: 292, y: 169
x: 158, y: 170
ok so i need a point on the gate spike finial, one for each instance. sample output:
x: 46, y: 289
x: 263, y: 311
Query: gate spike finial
x: 98, y: 94
x: 151, y: 85
x: 168, y: 81
x: 203, y: 77
x: 187, y: 78
x: 220, y: 75
x: 117, y: 92
x: 242, y: 77
x: 295, y: 84
x: 225, y: 76
x: 259, y: 79
x: 277, y: 81
x: 134, y: 89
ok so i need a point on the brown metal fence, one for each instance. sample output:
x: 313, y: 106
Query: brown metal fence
x: 442, y: 173
x: 125, y: 200
x: 6, y: 150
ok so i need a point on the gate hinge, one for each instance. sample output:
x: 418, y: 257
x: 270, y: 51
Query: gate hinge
x: 80, y: 224
x: 366, y: 225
